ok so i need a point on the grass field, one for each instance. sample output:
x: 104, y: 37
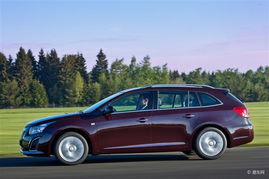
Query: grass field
x: 12, y: 121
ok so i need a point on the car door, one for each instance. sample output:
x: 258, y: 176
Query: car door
x: 171, y: 122
x: 127, y: 129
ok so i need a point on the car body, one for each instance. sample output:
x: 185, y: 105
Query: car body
x: 177, y: 117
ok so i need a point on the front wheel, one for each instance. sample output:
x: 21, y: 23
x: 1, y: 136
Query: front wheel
x: 210, y: 143
x: 71, y: 148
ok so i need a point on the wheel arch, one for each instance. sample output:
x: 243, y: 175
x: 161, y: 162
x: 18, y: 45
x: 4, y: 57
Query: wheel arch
x: 200, y: 128
x: 79, y: 131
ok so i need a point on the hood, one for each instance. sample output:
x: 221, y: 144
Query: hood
x: 52, y: 119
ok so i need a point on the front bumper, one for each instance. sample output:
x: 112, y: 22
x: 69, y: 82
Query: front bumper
x: 35, y: 145
x: 32, y: 153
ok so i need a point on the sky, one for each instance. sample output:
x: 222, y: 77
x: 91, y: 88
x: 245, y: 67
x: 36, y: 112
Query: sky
x: 214, y: 35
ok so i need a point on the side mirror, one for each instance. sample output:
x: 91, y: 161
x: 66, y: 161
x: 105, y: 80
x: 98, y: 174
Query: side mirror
x: 108, y: 110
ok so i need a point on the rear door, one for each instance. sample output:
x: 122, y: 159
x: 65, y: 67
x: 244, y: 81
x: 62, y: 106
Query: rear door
x: 171, y: 122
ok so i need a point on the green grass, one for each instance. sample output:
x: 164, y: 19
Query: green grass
x: 12, y: 121
x: 259, y: 116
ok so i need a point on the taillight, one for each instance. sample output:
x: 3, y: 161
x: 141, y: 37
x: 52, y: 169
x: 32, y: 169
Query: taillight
x: 242, y: 111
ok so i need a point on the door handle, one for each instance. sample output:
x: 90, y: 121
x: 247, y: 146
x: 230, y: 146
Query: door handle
x: 189, y: 115
x: 142, y: 120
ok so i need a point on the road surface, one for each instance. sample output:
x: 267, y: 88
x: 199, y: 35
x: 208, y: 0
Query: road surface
x: 235, y: 163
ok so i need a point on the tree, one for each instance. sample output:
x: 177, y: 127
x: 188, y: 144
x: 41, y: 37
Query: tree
x: 71, y: 84
x: 79, y: 86
x: 11, y: 68
x: 26, y: 83
x: 42, y: 66
x: 10, y: 94
x: 34, y: 64
x: 49, y: 68
x: 39, y: 95
x: 231, y: 79
x: 174, y: 75
x: 195, y: 77
x: 100, y: 67
x: 24, y: 76
x: 81, y: 67
x: 92, y: 94
x: 3, y: 68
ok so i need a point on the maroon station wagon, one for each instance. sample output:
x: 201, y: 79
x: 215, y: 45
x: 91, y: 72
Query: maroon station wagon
x: 156, y: 118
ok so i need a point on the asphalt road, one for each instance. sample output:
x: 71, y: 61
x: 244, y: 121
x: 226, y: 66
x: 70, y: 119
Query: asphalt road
x: 235, y: 163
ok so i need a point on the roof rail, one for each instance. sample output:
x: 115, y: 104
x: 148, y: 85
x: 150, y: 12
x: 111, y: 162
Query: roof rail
x: 180, y: 85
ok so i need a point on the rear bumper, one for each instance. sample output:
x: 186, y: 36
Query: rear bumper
x: 242, y: 135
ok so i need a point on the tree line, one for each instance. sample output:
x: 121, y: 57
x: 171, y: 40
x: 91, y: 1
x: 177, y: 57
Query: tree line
x: 48, y: 80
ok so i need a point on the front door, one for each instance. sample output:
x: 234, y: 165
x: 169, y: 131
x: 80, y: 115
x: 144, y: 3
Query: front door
x: 128, y: 128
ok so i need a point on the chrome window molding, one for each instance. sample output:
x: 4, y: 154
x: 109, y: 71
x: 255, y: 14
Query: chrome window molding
x: 192, y: 107
x: 167, y: 109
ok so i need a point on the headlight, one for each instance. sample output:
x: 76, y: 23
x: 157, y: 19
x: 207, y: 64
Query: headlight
x: 37, y: 129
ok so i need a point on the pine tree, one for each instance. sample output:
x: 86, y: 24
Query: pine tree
x: 48, y: 73
x: 11, y: 68
x: 92, y: 94
x: 34, y: 64
x: 3, y: 80
x: 100, y: 67
x: 81, y: 67
x: 70, y: 81
x: 3, y: 68
x: 24, y: 76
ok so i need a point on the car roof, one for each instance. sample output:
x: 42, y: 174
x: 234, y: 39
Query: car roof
x: 175, y: 86
x: 179, y: 86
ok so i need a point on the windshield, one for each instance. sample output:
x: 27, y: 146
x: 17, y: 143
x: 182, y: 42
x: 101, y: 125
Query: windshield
x: 100, y: 103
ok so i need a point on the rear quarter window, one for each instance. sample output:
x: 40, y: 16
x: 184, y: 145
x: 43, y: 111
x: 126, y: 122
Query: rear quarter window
x: 208, y: 100
x: 230, y: 95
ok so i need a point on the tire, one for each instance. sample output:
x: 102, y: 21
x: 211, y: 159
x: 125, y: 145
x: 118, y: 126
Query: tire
x: 210, y: 143
x: 71, y: 148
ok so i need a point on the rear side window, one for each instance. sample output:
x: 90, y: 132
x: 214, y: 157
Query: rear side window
x: 208, y: 100
x: 193, y: 101
x: 178, y: 99
x: 166, y: 100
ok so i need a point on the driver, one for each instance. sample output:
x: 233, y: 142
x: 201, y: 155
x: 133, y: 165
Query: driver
x: 143, y: 103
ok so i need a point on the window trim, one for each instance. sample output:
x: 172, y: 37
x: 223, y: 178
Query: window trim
x: 158, y: 109
x: 152, y: 110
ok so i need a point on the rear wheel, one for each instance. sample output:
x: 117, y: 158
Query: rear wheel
x: 71, y: 148
x: 210, y: 143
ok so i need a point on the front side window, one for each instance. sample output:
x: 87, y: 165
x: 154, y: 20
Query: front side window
x: 208, y: 100
x: 133, y: 102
